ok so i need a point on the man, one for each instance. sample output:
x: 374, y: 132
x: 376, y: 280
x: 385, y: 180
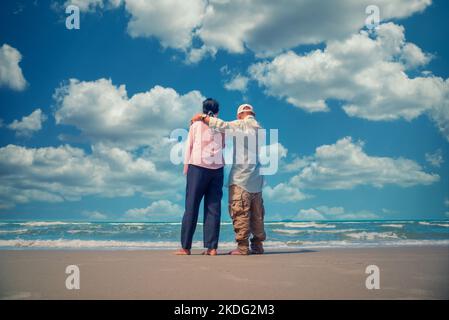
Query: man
x: 245, y: 182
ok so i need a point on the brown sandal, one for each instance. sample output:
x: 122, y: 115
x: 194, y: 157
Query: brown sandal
x: 210, y: 252
x: 182, y: 252
x: 237, y: 252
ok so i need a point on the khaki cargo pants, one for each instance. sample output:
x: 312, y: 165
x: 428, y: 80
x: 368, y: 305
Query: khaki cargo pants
x: 247, y: 213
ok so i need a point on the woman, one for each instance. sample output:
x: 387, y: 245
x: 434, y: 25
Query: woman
x: 203, y: 166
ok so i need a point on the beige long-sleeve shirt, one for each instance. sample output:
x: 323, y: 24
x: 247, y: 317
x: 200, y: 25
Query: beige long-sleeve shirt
x: 245, y: 171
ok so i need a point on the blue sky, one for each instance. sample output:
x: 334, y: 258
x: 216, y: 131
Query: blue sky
x: 362, y: 117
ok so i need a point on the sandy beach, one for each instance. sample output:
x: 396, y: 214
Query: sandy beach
x: 405, y: 273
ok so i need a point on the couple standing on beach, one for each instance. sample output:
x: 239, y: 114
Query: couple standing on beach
x: 203, y: 166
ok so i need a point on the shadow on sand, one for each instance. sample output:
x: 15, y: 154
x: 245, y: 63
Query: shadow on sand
x: 276, y: 252
x: 289, y: 251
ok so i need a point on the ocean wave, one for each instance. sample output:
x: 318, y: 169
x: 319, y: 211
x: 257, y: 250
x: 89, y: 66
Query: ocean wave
x: 372, y: 235
x: 353, y: 222
x: 425, y: 223
x: 169, y: 245
x: 287, y: 231
x: 84, y: 231
x: 84, y: 244
x: 112, y: 244
x: 290, y: 231
x: 332, y: 231
x: 17, y: 231
x: 128, y: 223
x: 308, y: 225
x: 392, y: 225
x: 352, y: 244
x: 107, y: 232
x: 49, y: 223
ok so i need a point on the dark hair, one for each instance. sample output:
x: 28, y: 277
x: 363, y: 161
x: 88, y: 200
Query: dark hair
x: 210, y: 106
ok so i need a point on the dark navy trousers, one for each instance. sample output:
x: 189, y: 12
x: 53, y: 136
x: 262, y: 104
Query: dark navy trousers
x: 207, y: 183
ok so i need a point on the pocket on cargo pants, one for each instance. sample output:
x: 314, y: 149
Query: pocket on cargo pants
x: 239, y: 209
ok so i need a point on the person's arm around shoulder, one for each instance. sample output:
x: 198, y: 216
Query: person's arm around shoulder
x: 216, y: 123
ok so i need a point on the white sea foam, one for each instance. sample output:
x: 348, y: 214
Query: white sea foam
x: 48, y: 223
x: 75, y: 231
x: 112, y: 244
x: 143, y: 245
x: 352, y: 222
x: 308, y: 225
x: 352, y: 244
x: 274, y: 223
x: 17, y: 231
x: 127, y: 223
x: 425, y: 223
x: 287, y: 231
x: 392, y: 225
x: 85, y: 244
x: 132, y: 227
x: 372, y: 235
x: 290, y: 231
x: 332, y: 231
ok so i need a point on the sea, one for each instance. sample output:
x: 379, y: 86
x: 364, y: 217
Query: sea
x: 31, y: 235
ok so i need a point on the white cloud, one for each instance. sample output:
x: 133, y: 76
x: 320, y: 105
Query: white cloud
x: 264, y: 26
x: 10, y: 72
x: 310, y: 215
x: 413, y: 57
x: 334, y: 213
x: 237, y: 83
x: 66, y: 173
x: 283, y: 192
x: 195, y: 55
x: 160, y: 210
x: 435, y: 159
x: 29, y: 124
x: 275, y: 150
x: 296, y: 164
x: 171, y: 21
x: 268, y: 27
x: 440, y: 114
x: 129, y: 146
x: 104, y: 113
x: 94, y: 215
x: 345, y: 165
x: 368, y: 75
